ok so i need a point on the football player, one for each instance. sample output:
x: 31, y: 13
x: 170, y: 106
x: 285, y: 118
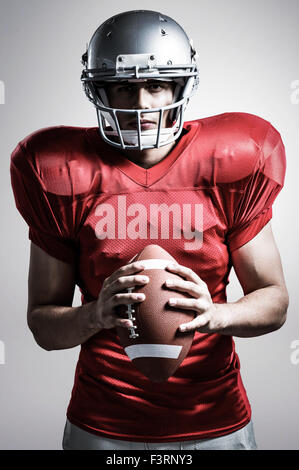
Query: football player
x: 94, y: 197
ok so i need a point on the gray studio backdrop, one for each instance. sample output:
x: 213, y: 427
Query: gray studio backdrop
x: 249, y: 62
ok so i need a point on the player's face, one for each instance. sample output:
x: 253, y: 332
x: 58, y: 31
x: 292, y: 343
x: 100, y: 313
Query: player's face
x: 141, y: 95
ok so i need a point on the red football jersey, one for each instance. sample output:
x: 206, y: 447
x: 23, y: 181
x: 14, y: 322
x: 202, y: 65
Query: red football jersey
x: 87, y: 202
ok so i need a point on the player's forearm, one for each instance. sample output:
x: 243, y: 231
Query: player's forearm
x: 255, y: 314
x: 57, y: 327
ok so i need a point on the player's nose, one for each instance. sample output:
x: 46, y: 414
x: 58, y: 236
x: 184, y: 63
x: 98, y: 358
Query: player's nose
x: 142, y: 99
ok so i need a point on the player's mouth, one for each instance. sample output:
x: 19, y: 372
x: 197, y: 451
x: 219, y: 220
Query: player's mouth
x: 145, y: 124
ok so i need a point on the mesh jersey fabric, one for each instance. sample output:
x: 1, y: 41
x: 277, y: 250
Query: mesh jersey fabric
x: 88, y: 204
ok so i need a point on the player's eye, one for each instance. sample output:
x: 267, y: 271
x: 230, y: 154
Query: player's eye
x: 154, y: 87
x: 126, y: 88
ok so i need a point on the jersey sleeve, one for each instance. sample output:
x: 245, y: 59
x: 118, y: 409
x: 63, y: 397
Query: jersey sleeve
x: 251, y: 199
x: 50, y: 223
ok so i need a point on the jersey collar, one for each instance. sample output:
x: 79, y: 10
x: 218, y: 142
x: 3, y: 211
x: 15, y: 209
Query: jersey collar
x: 145, y: 176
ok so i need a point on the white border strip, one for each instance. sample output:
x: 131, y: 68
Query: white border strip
x: 154, y: 263
x: 153, y: 350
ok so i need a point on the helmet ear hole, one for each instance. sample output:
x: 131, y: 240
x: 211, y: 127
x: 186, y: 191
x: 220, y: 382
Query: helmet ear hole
x: 84, y: 58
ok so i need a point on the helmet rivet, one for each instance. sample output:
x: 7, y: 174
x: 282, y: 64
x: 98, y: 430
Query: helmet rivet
x: 152, y: 57
x: 120, y: 59
x: 163, y: 32
x: 169, y: 62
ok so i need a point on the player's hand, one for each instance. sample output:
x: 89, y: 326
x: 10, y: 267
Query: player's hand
x: 201, y: 301
x: 112, y: 295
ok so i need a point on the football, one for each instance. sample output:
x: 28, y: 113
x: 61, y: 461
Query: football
x: 154, y: 344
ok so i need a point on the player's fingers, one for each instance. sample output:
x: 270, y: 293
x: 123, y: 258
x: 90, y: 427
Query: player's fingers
x: 185, y: 272
x: 112, y: 320
x: 198, y: 322
x: 125, y: 299
x: 125, y: 282
x: 125, y: 271
x: 123, y: 322
x: 198, y: 305
x: 185, y: 286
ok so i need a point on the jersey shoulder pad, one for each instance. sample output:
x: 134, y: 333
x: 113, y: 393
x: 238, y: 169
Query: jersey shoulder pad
x: 59, y: 157
x: 238, y: 143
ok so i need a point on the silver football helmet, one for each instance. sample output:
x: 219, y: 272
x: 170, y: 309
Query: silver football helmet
x: 139, y: 45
